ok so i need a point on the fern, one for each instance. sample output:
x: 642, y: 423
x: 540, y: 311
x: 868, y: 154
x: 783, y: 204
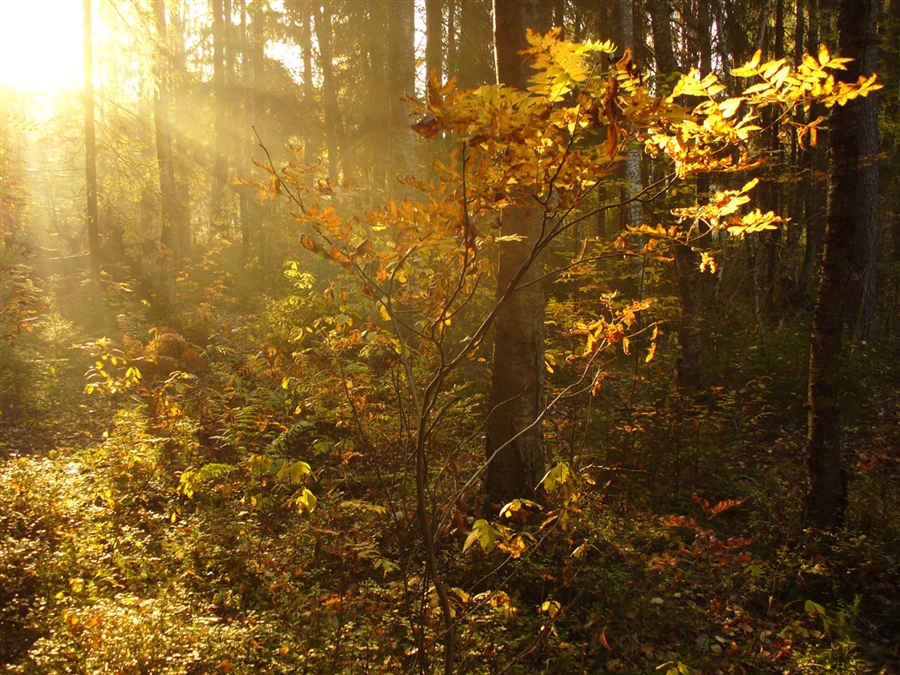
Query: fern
x: 290, y: 440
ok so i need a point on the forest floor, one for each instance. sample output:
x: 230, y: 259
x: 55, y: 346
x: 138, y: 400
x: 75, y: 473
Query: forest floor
x: 682, y: 553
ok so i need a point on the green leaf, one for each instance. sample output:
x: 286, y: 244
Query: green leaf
x: 483, y: 533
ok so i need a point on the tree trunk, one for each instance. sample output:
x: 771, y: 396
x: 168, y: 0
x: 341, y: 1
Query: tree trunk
x: 690, y: 366
x: 401, y: 61
x: 892, y: 70
x: 333, y: 125
x: 862, y: 316
x: 311, y: 139
x: 174, y: 222
x: 631, y: 165
x: 769, y: 194
x: 475, y: 59
x: 434, y: 47
x: 514, y: 439
x: 220, y: 120
x: 826, y: 496
x: 90, y: 152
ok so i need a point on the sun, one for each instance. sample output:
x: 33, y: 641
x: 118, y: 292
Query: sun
x: 41, y: 44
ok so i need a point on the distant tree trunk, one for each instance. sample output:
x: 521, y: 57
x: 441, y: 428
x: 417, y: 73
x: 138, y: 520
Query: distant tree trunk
x: 452, y: 41
x: 167, y: 189
x: 333, y: 124
x: 815, y: 228
x: 379, y: 110
x: 308, y: 87
x: 631, y: 166
x: 826, y: 496
x: 862, y: 316
x: 248, y: 203
x: 474, y: 49
x: 434, y: 47
x: 690, y: 367
x: 517, y: 382
x: 220, y: 120
x: 660, y: 17
x: 401, y: 67
x: 90, y: 152
x: 769, y: 192
x: 892, y: 70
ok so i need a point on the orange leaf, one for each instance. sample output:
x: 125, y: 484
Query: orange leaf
x: 603, y: 640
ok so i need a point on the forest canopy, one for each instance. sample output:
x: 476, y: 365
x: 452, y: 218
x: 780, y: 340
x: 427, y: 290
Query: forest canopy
x: 450, y: 335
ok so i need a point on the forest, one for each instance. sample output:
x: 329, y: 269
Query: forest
x: 450, y: 336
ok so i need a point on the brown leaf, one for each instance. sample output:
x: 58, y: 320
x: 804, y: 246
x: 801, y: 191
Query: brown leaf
x: 428, y: 127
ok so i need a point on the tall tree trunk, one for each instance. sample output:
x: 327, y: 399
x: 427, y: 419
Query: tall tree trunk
x: 514, y: 436
x: 220, y: 120
x: 769, y: 195
x: 631, y: 166
x: 862, y: 316
x: 248, y: 205
x: 892, y: 70
x: 172, y: 237
x: 308, y: 87
x: 401, y: 66
x: 475, y: 62
x: 333, y: 124
x: 826, y: 496
x: 90, y: 152
x: 434, y: 47
x: 812, y: 157
x: 690, y: 366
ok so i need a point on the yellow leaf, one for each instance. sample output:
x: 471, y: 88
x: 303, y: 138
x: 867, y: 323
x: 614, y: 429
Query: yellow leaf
x: 729, y: 106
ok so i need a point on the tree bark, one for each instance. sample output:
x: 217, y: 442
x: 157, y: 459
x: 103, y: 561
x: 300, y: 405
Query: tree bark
x: 514, y: 438
x: 90, y: 152
x: 826, y: 496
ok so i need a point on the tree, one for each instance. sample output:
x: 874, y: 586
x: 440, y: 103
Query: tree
x: 862, y: 314
x: 690, y: 364
x: 826, y: 496
x: 514, y: 438
x: 434, y: 46
x: 401, y: 80
x: 90, y: 151
x: 534, y: 154
x: 334, y: 126
x: 175, y: 236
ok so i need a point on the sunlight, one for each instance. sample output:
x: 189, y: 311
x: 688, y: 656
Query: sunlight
x: 41, y: 44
